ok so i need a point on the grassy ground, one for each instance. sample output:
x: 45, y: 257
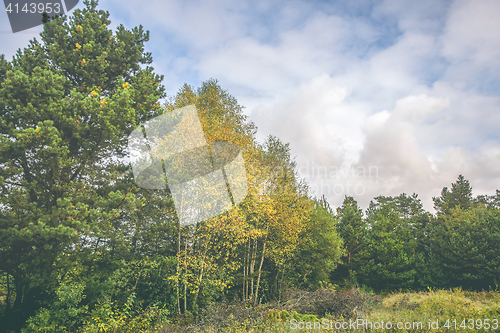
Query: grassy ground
x: 439, y: 308
x: 323, y: 311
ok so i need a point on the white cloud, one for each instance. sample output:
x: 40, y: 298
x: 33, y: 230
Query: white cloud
x: 269, y: 69
x: 402, y: 95
x: 312, y: 119
x: 472, y: 32
x: 372, y: 155
x: 321, y: 82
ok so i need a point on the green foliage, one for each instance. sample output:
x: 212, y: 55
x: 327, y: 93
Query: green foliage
x: 459, y: 196
x: 321, y: 248
x: 67, y: 106
x: 82, y: 248
x: 464, y: 247
x: 117, y: 309
x: 393, y: 242
x: 127, y: 318
x: 490, y: 201
x: 392, y: 252
x: 65, y: 314
x: 406, y: 206
x: 353, y: 229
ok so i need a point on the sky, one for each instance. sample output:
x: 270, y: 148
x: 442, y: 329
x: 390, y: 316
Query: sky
x: 374, y: 97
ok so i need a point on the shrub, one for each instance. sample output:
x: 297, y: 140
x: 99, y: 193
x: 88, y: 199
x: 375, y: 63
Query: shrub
x: 325, y: 302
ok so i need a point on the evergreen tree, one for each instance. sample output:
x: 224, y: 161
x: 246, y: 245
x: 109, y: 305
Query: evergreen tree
x: 320, y: 250
x: 405, y: 205
x: 67, y: 105
x: 460, y: 195
x: 353, y: 230
x: 463, y: 249
x: 392, y: 251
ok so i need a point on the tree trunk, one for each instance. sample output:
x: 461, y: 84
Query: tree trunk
x: 252, y: 265
x: 7, y: 299
x: 248, y: 268
x: 19, y: 294
x: 186, y: 274
x: 282, y: 278
x: 201, y: 277
x: 178, y: 267
x: 245, y: 263
x: 260, y: 266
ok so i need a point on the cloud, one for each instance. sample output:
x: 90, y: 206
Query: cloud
x: 197, y: 24
x: 323, y: 78
x: 269, y: 68
x: 471, y: 44
x: 425, y: 16
x: 391, y: 160
x: 312, y: 120
x: 375, y: 98
x: 471, y: 33
x: 390, y: 145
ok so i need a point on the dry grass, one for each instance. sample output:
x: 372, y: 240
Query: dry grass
x: 441, y: 305
x: 309, y: 306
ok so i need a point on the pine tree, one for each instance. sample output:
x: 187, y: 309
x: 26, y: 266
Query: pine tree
x: 67, y: 105
x: 460, y: 195
x: 320, y: 250
x: 352, y: 228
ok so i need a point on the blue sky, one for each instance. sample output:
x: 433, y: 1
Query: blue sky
x: 382, y: 97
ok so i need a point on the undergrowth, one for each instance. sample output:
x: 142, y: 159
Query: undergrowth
x: 415, y: 310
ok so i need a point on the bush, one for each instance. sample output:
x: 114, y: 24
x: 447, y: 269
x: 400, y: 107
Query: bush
x: 325, y: 302
x: 64, y: 315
